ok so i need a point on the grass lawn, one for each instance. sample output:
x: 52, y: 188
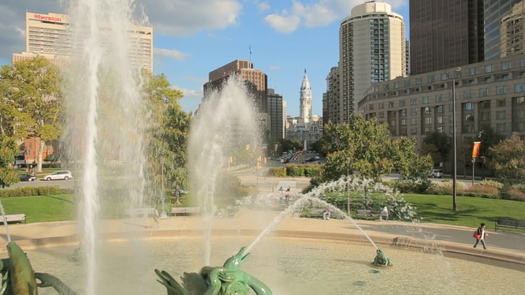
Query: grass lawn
x: 41, y: 208
x: 470, y: 211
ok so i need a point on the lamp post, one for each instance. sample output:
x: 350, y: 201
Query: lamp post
x: 454, y: 140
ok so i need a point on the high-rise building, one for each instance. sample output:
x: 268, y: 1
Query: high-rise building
x: 49, y: 35
x: 255, y: 80
x: 494, y: 12
x: 306, y: 99
x: 371, y: 49
x: 275, y: 112
x: 331, y: 97
x: 444, y: 34
x: 512, y: 31
x: 407, y: 57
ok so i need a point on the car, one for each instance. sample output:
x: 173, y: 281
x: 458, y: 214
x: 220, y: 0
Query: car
x: 63, y: 174
x: 27, y: 177
x: 436, y: 173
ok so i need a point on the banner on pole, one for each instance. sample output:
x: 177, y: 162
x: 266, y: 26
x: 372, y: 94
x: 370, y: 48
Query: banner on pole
x: 475, y: 149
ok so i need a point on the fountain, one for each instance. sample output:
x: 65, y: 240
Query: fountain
x: 106, y: 143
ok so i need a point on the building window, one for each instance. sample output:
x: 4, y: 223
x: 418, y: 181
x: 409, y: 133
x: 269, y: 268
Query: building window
x: 469, y: 106
x: 472, y: 71
x: 371, y: 107
x: 439, y: 98
x: 489, y: 68
x: 467, y: 94
x: 390, y: 104
x: 500, y: 103
x: 413, y: 101
x: 413, y: 111
x: 500, y: 90
x: 381, y: 105
x: 522, y: 62
x: 506, y: 65
x: 418, y: 81
x: 439, y: 109
x: 426, y: 100
x: 402, y: 103
x: 520, y: 100
x: 500, y: 115
x: 483, y: 92
x: 519, y: 88
x: 444, y: 76
x: 413, y: 121
x: 426, y: 110
x: 430, y: 78
x: 428, y: 120
x: 439, y: 120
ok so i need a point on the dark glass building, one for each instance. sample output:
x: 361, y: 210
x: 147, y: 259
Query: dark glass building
x: 445, y: 34
x: 495, y: 10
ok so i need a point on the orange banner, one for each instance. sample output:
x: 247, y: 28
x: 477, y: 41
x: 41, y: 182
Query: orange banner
x: 475, y: 149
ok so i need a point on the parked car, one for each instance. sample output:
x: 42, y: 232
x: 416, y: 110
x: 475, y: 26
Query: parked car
x: 436, y: 173
x: 64, y: 174
x: 27, y: 177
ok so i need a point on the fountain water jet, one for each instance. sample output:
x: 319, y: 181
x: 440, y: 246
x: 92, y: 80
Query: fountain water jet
x: 103, y: 105
x: 225, y: 127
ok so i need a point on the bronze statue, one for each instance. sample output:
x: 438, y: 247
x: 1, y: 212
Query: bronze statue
x: 226, y: 280
x: 18, y: 277
x: 381, y: 259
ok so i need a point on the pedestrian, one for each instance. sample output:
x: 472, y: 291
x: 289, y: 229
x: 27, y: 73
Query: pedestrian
x: 327, y: 213
x: 384, y: 213
x: 480, y: 234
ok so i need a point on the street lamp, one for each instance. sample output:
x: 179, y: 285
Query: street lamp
x: 454, y: 139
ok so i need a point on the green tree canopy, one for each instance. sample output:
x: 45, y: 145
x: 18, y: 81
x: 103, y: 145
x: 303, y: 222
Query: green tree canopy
x: 366, y: 147
x: 167, y: 133
x: 507, y: 158
x: 438, y: 145
x: 31, y: 101
x: 8, y: 151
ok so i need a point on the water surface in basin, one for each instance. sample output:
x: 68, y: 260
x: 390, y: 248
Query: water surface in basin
x: 288, y: 266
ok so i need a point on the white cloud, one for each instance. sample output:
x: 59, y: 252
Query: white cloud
x: 12, y: 22
x: 284, y: 24
x: 186, y: 17
x: 263, y: 6
x: 320, y: 13
x: 274, y: 68
x: 169, y: 17
x: 189, y: 93
x: 170, y: 53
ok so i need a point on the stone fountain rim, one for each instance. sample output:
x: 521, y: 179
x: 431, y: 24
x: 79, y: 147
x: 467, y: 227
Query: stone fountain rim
x: 447, y: 248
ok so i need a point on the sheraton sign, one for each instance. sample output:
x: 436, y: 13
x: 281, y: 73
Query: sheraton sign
x: 47, y: 17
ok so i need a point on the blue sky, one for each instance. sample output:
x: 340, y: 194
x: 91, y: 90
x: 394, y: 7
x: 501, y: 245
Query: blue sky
x: 282, y: 56
x: 194, y: 37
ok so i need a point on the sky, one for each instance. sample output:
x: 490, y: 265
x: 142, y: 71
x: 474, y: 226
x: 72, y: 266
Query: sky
x: 194, y: 37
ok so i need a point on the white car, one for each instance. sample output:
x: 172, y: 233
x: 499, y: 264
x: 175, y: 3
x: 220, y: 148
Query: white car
x: 64, y: 174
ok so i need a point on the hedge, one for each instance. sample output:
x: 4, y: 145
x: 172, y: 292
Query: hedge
x: 278, y: 171
x: 33, y: 191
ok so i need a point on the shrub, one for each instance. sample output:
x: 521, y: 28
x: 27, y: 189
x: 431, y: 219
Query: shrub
x: 312, y: 170
x: 278, y: 171
x: 295, y: 170
x: 445, y: 188
x: 515, y: 194
x: 481, y: 190
x: 418, y: 187
x: 33, y: 191
x: 493, y: 183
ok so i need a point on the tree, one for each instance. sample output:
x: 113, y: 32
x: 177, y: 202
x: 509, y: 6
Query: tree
x: 31, y: 101
x: 288, y: 145
x: 167, y: 133
x: 407, y: 162
x: 366, y: 147
x: 362, y: 145
x: 8, y: 175
x: 438, y: 145
x: 507, y: 158
x: 488, y: 138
